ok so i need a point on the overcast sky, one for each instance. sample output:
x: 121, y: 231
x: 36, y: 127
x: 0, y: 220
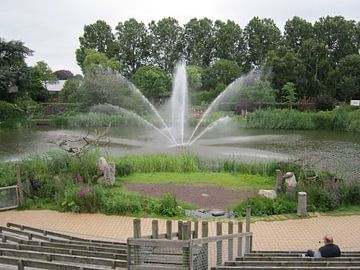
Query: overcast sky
x: 52, y: 28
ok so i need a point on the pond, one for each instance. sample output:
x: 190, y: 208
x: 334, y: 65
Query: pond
x: 338, y: 152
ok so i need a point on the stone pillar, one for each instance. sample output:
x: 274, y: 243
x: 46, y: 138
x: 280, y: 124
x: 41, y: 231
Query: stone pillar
x: 302, y: 204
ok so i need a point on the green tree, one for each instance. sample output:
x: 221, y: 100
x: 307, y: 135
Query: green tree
x: 338, y: 35
x: 166, y: 43
x: 349, y: 77
x: 133, y: 44
x: 289, y: 93
x: 99, y: 37
x: 260, y: 93
x: 41, y: 75
x: 296, y: 31
x: 95, y: 59
x: 13, y: 69
x: 261, y: 36
x: 152, y: 81
x: 285, y: 66
x: 199, y: 42
x: 229, y: 42
x: 69, y: 93
x: 195, y: 75
x: 221, y: 73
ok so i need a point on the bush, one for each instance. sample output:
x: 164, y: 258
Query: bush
x: 324, y: 103
x: 9, y: 110
x: 261, y: 205
x: 169, y: 207
x: 353, y: 195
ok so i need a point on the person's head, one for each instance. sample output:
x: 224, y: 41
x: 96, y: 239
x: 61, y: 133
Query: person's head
x: 328, y: 239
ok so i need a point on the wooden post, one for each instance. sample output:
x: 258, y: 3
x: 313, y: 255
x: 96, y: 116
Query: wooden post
x: 186, y: 250
x: 247, y: 238
x: 180, y: 223
x: 302, y: 204
x: 279, y: 181
x: 137, y: 234
x: 137, y: 228
x: 168, y: 229
x: 189, y: 230
x: 218, y: 244
x: 205, y: 233
x: 240, y: 240
x: 196, y: 229
x: 155, y: 229
x: 20, y: 190
x: 28, y: 185
x: 230, y: 241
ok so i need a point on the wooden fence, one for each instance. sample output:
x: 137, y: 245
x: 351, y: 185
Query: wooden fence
x: 185, y: 249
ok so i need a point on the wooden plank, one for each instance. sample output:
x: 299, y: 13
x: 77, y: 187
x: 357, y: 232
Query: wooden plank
x: 158, y: 243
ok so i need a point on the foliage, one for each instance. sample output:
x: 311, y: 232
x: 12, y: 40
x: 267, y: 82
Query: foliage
x: 99, y: 37
x: 261, y: 205
x: 152, y: 81
x: 168, y: 206
x: 349, y: 77
x: 63, y: 74
x: 69, y: 93
x: 9, y: 110
x: 260, y: 93
x: 289, y: 91
x: 324, y: 103
x: 353, y: 195
x: 94, y: 59
x: 13, y: 69
x: 195, y: 75
x: 222, y: 71
x: 133, y: 44
x: 167, y: 45
x: 157, y: 163
x: 296, y: 31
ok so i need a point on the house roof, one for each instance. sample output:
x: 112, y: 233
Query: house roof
x: 56, y: 86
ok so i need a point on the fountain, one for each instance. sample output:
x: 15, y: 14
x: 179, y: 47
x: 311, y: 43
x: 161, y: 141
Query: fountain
x: 167, y: 129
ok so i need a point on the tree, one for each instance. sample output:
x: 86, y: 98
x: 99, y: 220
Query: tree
x: 166, y: 43
x: 317, y: 68
x: 41, y: 75
x: 296, y: 31
x: 260, y: 93
x: 95, y: 59
x: 286, y: 66
x: 349, y: 77
x: 229, y: 42
x: 195, y: 75
x: 69, y: 93
x: 152, y: 81
x: 63, y: 74
x: 99, y: 37
x: 133, y: 44
x: 338, y: 35
x: 222, y: 72
x: 199, y: 42
x: 13, y: 69
x: 261, y: 36
x: 289, y: 93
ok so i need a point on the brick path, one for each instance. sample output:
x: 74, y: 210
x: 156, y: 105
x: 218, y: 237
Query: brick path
x: 295, y: 234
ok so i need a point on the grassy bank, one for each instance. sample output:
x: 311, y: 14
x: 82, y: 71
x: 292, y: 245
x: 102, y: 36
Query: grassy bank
x: 341, y: 119
x: 226, y: 180
x: 69, y: 183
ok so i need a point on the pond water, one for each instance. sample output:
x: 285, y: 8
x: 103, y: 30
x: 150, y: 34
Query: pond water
x: 338, y: 152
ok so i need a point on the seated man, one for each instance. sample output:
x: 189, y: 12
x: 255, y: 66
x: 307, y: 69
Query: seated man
x: 328, y: 250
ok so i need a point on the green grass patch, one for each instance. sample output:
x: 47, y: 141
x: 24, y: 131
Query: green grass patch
x: 226, y: 180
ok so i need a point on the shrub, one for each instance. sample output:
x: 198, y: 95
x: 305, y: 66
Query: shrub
x: 168, y: 206
x: 119, y: 203
x: 324, y: 103
x: 353, y: 195
x: 264, y: 206
x: 9, y: 110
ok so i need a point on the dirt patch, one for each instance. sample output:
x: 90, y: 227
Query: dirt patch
x: 207, y: 197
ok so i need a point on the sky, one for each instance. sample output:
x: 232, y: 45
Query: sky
x: 52, y: 28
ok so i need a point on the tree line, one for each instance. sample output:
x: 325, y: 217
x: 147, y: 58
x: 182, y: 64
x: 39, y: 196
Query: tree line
x: 320, y: 59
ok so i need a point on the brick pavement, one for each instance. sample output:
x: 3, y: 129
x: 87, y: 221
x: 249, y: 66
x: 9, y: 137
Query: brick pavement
x: 293, y: 234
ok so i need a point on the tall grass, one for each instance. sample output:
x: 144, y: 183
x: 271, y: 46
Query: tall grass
x: 342, y: 119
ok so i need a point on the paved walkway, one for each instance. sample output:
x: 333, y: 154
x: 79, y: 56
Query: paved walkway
x: 296, y: 234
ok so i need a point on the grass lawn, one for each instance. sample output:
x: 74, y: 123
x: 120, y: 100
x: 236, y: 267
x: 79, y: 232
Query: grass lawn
x: 225, y: 180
